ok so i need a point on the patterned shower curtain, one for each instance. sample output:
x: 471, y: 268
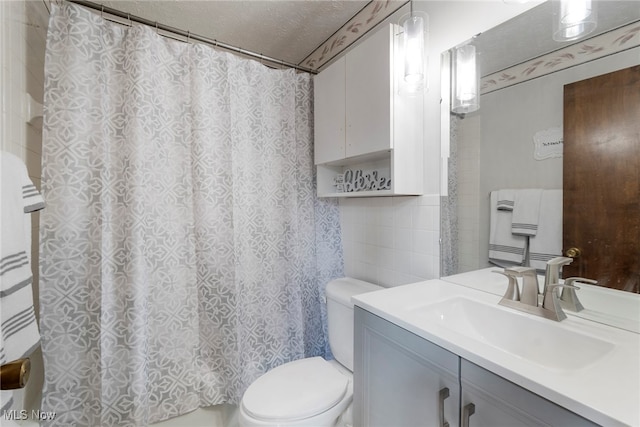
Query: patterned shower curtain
x: 183, y: 250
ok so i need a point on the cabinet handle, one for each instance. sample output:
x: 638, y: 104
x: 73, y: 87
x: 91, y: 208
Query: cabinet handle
x: 467, y: 411
x: 444, y: 393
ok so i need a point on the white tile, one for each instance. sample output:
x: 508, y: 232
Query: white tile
x: 404, y: 279
x: 365, y: 271
x: 387, y: 278
x: 402, y: 215
x: 422, y: 242
x: 384, y: 215
x: 385, y: 237
x: 429, y: 200
x: 373, y: 235
x: 422, y: 266
x: 403, y: 239
x: 402, y: 261
x: 421, y: 217
x: 360, y: 232
x: 383, y: 257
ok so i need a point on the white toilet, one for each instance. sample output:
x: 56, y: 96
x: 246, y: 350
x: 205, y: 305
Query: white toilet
x: 313, y: 391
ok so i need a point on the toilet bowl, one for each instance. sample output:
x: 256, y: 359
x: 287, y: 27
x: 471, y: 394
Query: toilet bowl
x: 312, y: 391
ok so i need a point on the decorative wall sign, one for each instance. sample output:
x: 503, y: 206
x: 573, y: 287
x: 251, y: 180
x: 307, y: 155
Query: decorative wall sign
x: 548, y: 143
x: 359, y: 180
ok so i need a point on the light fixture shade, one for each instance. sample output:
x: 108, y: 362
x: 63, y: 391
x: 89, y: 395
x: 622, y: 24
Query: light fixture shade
x: 465, y: 80
x: 573, y: 19
x: 413, y: 49
x: 414, y: 34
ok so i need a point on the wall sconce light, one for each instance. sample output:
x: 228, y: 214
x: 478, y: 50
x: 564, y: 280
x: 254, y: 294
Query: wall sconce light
x: 465, y: 80
x: 573, y: 19
x: 414, y: 27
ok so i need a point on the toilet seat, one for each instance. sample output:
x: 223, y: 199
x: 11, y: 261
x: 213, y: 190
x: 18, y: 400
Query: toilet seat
x: 295, y: 390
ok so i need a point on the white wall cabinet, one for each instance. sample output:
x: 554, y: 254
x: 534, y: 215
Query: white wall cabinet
x: 329, y: 113
x: 398, y: 377
x: 363, y: 122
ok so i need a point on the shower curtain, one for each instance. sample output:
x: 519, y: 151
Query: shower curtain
x: 183, y: 250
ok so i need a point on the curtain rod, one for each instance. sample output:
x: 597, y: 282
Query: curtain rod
x: 189, y: 35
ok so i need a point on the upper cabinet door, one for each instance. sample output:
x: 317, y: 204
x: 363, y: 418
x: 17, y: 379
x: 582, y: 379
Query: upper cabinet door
x: 329, y: 107
x: 369, y: 100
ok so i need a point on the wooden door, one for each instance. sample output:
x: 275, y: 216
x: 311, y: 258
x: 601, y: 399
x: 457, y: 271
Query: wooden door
x: 601, y: 204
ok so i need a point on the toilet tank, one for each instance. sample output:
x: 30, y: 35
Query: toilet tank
x: 340, y: 316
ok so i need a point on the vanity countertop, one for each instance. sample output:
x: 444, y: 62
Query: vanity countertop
x: 605, y: 391
x: 608, y: 306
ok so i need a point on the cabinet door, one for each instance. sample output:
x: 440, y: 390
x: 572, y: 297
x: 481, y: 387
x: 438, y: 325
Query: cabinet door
x: 329, y: 113
x: 369, y: 101
x: 501, y: 403
x: 399, y: 377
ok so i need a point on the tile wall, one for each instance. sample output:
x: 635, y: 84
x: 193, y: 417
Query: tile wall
x: 391, y: 241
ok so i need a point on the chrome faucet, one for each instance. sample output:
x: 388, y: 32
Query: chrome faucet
x: 552, y: 273
x: 568, y: 299
x: 528, y: 301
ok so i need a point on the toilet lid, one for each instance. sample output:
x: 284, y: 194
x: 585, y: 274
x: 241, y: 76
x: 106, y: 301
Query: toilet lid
x: 295, y: 390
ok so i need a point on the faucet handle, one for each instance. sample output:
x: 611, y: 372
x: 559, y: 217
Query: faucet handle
x: 560, y: 260
x: 569, y: 299
x: 513, y: 292
x: 520, y: 271
x: 530, y: 289
x: 551, y: 301
x: 552, y: 273
x: 571, y: 280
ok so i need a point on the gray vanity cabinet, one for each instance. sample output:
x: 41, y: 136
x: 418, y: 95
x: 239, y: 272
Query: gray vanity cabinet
x: 399, y: 376
x: 401, y: 379
x: 498, y: 402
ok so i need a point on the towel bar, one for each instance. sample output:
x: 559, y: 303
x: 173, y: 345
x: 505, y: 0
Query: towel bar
x: 15, y: 374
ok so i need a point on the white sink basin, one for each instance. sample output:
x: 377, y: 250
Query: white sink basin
x: 540, y: 341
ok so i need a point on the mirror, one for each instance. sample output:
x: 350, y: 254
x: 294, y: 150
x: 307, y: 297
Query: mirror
x: 523, y: 71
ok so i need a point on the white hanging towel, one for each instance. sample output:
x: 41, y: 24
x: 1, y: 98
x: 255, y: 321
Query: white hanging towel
x: 506, y: 199
x: 505, y: 248
x: 526, y: 212
x: 18, y: 326
x: 547, y: 243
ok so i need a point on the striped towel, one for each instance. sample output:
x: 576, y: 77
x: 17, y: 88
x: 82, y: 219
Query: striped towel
x: 505, y: 199
x: 526, y: 211
x: 547, y: 244
x: 505, y: 248
x: 18, y: 326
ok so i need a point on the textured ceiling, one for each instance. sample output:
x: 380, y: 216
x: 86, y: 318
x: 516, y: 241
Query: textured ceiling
x: 286, y: 30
